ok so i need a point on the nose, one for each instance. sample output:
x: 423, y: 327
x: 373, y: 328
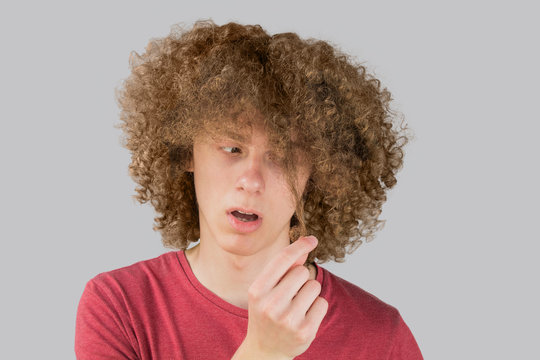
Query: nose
x: 251, y: 179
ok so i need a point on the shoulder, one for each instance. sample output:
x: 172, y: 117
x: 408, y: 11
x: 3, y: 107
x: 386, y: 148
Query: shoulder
x: 360, y: 306
x: 133, y: 277
x: 114, y: 304
x: 363, y: 321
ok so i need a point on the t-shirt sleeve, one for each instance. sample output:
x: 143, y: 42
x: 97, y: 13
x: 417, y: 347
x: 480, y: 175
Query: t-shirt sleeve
x: 404, y: 346
x: 100, y: 330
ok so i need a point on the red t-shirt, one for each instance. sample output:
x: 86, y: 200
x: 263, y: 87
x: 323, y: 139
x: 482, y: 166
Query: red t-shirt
x: 157, y: 309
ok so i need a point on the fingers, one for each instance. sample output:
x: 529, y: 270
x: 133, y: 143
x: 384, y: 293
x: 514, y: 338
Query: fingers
x: 280, y: 265
x: 291, y: 287
x: 316, y: 314
x: 284, y: 310
x: 304, y: 299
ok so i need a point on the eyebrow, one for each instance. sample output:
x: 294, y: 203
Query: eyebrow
x: 234, y: 136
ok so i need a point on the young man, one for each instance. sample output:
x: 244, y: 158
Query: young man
x: 250, y: 143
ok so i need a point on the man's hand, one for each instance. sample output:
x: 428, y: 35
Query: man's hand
x: 284, y: 308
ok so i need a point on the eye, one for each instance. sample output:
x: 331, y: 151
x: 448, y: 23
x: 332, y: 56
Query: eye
x: 230, y: 147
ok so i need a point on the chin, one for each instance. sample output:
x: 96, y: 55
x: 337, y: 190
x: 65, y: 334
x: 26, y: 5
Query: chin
x: 239, y: 244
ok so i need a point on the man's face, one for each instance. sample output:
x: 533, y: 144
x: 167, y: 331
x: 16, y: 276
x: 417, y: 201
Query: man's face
x: 231, y: 175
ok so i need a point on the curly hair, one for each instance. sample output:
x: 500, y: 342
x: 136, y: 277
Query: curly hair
x: 314, y: 100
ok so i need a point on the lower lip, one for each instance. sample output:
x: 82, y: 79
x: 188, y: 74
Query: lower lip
x: 244, y: 226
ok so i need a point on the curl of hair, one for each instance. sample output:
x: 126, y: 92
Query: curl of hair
x: 314, y: 100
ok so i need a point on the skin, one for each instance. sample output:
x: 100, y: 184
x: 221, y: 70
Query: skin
x: 229, y: 174
x: 285, y: 309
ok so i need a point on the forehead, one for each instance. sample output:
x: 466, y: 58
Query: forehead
x: 240, y: 136
x: 239, y: 131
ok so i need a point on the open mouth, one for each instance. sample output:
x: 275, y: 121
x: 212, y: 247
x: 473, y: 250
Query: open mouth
x: 244, y: 217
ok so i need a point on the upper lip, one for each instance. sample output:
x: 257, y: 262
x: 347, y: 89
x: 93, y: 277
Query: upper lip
x: 244, y: 210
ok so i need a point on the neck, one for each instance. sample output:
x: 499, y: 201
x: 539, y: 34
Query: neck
x: 230, y: 275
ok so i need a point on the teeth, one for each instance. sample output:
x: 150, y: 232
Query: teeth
x: 244, y: 213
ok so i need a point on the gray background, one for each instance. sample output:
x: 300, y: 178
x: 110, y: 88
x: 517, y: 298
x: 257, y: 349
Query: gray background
x: 457, y: 256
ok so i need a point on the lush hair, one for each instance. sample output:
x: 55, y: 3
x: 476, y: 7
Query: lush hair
x: 314, y: 100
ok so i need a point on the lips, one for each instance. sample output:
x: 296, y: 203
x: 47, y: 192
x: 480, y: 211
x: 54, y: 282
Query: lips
x: 243, y: 226
x: 245, y: 210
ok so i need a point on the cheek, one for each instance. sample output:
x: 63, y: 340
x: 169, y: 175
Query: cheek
x: 283, y: 201
x: 207, y: 186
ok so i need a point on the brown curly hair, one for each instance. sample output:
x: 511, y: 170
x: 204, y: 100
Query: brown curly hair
x: 314, y: 100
